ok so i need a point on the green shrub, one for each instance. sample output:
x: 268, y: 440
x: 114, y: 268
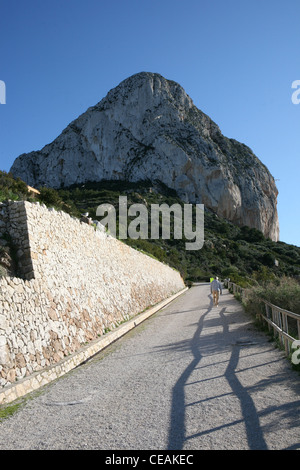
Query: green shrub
x: 284, y: 293
x: 264, y: 275
x: 49, y: 197
x: 3, y: 271
x: 198, y: 274
x: 250, y: 235
x: 12, y: 188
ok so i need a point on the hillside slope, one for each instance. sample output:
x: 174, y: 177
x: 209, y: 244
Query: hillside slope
x: 241, y: 253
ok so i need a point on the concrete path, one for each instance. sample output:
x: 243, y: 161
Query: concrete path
x: 191, y: 377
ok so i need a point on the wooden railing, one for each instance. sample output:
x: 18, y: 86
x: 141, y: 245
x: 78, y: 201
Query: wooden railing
x: 234, y: 287
x: 284, y: 323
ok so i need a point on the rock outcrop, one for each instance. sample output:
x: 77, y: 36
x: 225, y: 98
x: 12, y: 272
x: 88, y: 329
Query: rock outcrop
x: 148, y: 128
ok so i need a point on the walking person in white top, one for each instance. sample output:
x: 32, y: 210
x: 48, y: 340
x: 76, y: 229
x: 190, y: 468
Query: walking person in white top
x: 216, y: 290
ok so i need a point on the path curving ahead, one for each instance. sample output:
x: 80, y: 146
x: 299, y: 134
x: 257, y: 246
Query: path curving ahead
x: 191, y: 377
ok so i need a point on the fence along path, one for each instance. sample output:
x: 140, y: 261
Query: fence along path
x: 282, y: 321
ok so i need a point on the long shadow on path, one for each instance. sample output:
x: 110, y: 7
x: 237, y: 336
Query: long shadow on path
x: 177, y: 428
x: 177, y: 431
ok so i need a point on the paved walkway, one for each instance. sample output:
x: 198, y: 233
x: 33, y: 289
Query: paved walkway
x: 191, y: 377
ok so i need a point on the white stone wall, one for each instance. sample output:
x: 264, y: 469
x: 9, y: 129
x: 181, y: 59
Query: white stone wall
x: 78, y: 283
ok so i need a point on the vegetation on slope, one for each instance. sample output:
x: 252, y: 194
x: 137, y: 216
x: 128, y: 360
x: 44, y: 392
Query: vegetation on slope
x: 242, y: 254
x: 283, y: 292
x: 12, y: 188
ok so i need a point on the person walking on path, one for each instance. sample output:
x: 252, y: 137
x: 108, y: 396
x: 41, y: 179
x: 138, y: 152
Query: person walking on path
x: 216, y: 290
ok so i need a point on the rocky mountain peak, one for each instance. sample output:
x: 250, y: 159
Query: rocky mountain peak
x: 149, y: 128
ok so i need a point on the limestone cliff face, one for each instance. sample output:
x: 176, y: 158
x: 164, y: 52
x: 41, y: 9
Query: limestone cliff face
x: 148, y: 128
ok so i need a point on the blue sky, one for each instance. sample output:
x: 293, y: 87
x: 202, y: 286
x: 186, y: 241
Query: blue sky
x: 237, y: 60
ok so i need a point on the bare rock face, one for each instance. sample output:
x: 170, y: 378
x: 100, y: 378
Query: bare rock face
x: 148, y: 128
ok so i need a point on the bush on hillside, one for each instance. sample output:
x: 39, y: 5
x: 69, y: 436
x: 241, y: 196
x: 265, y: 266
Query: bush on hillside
x: 284, y: 293
x: 51, y: 198
x: 12, y: 188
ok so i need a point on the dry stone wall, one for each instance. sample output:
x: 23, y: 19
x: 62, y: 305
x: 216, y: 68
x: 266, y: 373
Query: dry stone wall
x: 3, y: 218
x: 76, y: 284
